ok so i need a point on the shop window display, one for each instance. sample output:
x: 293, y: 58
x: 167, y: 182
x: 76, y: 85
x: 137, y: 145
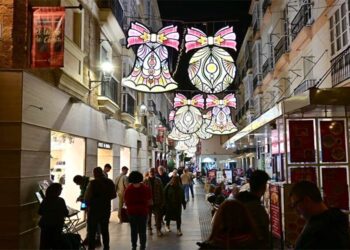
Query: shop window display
x: 67, y: 160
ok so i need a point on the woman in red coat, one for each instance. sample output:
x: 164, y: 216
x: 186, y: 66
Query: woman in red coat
x: 137, y: 199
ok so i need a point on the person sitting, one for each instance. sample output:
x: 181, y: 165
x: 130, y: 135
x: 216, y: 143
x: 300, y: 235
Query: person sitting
x: 326, y: 228
x: 53, y: 210
x: 233, y: 228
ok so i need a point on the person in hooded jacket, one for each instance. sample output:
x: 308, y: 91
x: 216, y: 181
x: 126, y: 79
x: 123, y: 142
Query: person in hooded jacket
x: 325, y: 228
x: 252, y: 200
x: 233, y: 228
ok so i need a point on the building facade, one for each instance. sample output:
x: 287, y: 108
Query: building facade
x: 60, y: 122
x: 298, y: 84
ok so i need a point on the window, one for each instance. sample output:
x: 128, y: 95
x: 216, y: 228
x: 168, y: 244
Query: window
x: 74, y: 26
x: 339, y: 29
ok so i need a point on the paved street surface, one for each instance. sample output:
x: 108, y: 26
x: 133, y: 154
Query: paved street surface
x: 197, y: 211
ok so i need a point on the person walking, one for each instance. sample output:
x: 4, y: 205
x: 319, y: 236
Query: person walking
x: 163, y: 176
x: 53, y: 210
x: 174, y: 201
x: 99, y: 194
x: 186, y: 181
x: 121, y: 183
x: 325, y: 228
x: 233, y: 228
x: 138, y: 199
x: 252, y: 200
x: 191, y: 183
x: 155, y: 184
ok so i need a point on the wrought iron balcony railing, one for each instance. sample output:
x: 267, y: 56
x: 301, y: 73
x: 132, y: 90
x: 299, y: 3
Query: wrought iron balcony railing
x: 302, y: 18
x: 281, y: 48
x: 265, y: 5
x: 340, y: 67
x: 305, y: 85
x: 267, y: 67
x: 257, y: 81
x: 128, y: 104
x: 110, y: 89
x: 116, y: 9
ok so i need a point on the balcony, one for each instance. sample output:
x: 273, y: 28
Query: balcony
x: 128, y: 104
x: 257, y: 81
x: 256, y: 20
x: 340, y: 68
x: 302, y: 18
x: 305, y: 85
x: 107, y: 101
x: 115, y: 7
x: 265, y: 5
x: 267, y: 67
x: 281, y: 48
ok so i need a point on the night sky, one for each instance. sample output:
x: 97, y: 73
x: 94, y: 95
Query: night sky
x: 209, y: 16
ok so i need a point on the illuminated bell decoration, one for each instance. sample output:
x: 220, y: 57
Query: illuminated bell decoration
x: 181, y: 146
x: 192, y: 150
x: 221, y: 122
x: 192, y: 142
x: 176, y: 135
x: 202, y: 133
x: 151, y: 70
x: 188, y: 118
x: 211, y: 69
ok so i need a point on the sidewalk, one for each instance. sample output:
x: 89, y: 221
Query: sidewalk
x: 193, y: 231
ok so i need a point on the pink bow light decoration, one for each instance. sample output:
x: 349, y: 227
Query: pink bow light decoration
x: 139, y: 34
x: 221, y: 122
x: 188, y: 118
x: 225, y: 38
x: 151, y: 71
x: 211, y: 69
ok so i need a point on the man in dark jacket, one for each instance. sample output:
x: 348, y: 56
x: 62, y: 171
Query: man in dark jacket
x: 325, y: 228
x: 99, y: 194
x: 252, y: 200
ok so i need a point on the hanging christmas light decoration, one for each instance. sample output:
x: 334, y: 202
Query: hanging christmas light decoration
x: 221, y: 122
x: 202, y: 133
x: 188, y: 118
x: 192, y: 142
x: 175, y: 134
x: 181, y: 146
x: 211, y: 69
x: 151, y: 70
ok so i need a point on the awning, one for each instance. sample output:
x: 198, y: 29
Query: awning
x: 333, y: 96
x: 262, y: 120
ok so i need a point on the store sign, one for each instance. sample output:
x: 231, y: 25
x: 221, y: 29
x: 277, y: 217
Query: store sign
x: 275, y: 211
x: 48, y: 37
x: 333, y: 141
x: 302, y: 145
x: 335, y: 187
x: 104, y: 145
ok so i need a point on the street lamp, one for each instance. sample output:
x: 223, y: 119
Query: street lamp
x: 107, y: 70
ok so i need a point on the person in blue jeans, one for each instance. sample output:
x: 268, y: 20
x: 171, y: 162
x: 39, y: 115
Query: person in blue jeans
x: 186, y: 180
x: 137, y: 198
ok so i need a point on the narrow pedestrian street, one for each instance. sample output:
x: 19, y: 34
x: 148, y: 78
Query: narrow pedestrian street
x: 195, y: 227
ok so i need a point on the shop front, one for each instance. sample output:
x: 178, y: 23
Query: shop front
x: 67, y: 159
x: 306, y: 139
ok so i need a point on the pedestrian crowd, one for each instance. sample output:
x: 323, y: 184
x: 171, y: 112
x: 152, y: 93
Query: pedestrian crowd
x: 141, y: 197
x: 240, y: 220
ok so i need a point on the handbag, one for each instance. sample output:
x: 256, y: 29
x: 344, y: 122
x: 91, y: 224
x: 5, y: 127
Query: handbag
x: 124, y: 215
